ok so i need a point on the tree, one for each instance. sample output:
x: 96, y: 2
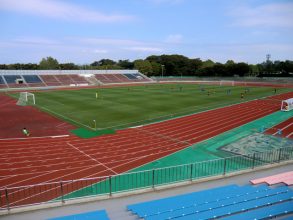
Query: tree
x: 49, y: 63
x: 125, y: 64
x: 104, y: 62
x: 68, y: 66
x: 144, y: 66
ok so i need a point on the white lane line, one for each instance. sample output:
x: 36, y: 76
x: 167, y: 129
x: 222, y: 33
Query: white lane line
x: 26, y: 138
x: 108, y: 168
x: 283, y: 128
x: 289, y: 135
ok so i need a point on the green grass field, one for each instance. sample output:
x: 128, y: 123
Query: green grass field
x: 121, y: 107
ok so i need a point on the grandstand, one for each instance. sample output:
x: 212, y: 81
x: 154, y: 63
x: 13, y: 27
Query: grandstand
x: 11, y: 79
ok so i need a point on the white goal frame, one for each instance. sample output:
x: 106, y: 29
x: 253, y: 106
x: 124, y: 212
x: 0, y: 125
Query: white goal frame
x: 227, y: 83
x: 24, y: 97
x: 287, y: 105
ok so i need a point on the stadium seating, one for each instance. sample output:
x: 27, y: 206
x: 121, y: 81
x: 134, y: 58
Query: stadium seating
x: 50, y: 80
x: 265, y: 212
x: 11, y: 81
x: 101, y: 215
x: 286, y: 178
x: 121, y: 78
x: 2, y: 83
x: 224, y: 201
x: 33, y: 80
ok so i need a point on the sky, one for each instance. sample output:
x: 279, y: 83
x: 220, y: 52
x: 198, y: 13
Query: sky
x: 84, y: 31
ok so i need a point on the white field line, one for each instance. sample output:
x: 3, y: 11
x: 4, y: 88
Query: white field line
x: 206, y: 125
x: 283, y: 128
x: 25, y: 138
x: 61, y: 124
x: 138, y: 158
x: 108, y: 168
x: 62, y: 116
x: 289, y: 135
x: 114, y: 149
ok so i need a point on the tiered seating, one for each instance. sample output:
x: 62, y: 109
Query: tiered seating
x: 2, y: 83
x: 286, y: 178
x: 120, y: 78
x: 228, y: 201
x: 64, y: 79
x: 33, y: 81
x: 11, y: 81
x: 50, y: 80
x: 101, y: 215
x: 78, y: 79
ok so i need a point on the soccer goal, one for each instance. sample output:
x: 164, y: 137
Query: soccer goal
x: 287, y: 105
x: 26, y: 98
x: 227, y: 83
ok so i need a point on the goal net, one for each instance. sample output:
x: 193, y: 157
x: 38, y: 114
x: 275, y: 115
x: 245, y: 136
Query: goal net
x: 227, y: 83
x: 26, y: 98
x: 287, y: 105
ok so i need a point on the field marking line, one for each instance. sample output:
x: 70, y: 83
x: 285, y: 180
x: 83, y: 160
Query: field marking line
x: 66, y: 118
x: 26, y: 138
x: 289, y: 135
x: 82, y: 152
x: 61, y: 124
x: 203, y: 122
x: 134, y: 159
x: 282, y: 128
x: 227, y: 124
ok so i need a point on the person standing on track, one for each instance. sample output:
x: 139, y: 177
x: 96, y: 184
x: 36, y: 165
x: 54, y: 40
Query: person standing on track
x: 25, y: 132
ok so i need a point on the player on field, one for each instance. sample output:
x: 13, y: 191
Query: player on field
x: 25, y: 132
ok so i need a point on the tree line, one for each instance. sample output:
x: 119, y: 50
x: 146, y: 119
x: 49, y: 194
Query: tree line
x: 169, y: 65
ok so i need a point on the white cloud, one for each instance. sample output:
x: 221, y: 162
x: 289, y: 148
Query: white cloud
x: 158, y: 2
x: 108, y: 41
x: 174, y: 38
x: 35, y: 40
x: 269, y: 15
x: 102, y: 51
x: 145, y: 49
x: 60, y: 10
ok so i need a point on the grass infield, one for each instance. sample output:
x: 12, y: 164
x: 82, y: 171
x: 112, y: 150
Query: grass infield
x: 121, y: 107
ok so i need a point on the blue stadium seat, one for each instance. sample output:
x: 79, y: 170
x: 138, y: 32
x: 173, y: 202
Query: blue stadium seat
x: 207, y: 197
x: 265, y: 212
x: 12, y: 78
x: 165, y: 203
x: 237, y: 208
x: 130, y: 76
x: 2, y: 80
x: 219, y: 204
x: 288, y: 218
x: 32, y: 79
x: 101, y: 215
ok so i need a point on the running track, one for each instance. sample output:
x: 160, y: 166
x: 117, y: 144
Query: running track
x: 42, y: 160
x: 285, y: 127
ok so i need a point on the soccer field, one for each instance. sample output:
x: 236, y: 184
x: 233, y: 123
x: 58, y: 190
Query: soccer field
x: 121, y: 107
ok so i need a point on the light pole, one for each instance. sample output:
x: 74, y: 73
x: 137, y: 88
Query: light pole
x: 95, y: 124
x: 162, y: 70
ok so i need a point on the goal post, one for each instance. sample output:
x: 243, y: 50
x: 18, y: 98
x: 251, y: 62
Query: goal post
x: 227, y: 83
x: 26, y: 98
x: 287, y: 105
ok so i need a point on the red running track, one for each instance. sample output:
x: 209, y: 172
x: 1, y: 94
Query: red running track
x: 286, y: 129
x: 14, y: 118
x: 44, y: 160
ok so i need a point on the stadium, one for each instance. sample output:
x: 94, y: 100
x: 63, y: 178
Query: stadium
x: 117, y: 144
